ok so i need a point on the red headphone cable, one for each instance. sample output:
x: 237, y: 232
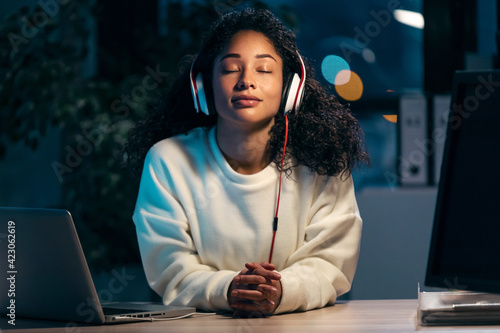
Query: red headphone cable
x: 275, y: 222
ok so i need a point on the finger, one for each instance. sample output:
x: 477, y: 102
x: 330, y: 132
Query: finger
x: 271, y: 275
x: 251, y: 279
x: 268, y: 266
x: 259, y: 270
x: 252, y: 265
x: 253, y: 295
x: 265, y: 265
x: 255, y: 265
x: 262, y: 292
x: 268, y: 290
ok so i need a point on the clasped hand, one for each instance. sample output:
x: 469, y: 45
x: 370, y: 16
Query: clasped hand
x: 257, y: 288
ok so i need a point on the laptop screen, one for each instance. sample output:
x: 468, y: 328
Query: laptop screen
x: 465, y: 245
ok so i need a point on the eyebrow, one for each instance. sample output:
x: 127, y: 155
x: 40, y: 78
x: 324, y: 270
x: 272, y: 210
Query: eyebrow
x: 258, y: 56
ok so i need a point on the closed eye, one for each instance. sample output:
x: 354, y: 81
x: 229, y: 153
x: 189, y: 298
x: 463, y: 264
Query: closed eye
x: 228, y: 71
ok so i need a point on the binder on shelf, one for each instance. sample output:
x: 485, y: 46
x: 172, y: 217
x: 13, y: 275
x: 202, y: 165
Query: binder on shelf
x: 413, y: 154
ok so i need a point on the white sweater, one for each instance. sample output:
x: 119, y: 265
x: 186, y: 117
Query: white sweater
x: 198, y: 222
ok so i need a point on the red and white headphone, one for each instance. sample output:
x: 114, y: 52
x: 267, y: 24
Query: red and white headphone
x: 293, y: 91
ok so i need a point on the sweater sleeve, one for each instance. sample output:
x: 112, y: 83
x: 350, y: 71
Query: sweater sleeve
x: 324, y: 266
x: 171, y: 262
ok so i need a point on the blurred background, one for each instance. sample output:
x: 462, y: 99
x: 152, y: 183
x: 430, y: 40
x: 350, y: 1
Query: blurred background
x: 76, y: 75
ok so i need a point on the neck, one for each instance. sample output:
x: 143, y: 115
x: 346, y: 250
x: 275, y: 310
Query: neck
x: 245, y: 149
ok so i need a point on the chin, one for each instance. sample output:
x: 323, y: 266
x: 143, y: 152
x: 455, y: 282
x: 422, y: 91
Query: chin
x: 252, y: 115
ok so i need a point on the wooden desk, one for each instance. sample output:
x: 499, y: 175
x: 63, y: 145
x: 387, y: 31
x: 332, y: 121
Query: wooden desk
x: 344, y: 317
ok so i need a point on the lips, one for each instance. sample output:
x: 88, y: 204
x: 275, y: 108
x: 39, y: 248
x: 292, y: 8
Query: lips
x: 245, y: 100
x: 246, y: 97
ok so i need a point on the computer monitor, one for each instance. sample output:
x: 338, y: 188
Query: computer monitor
x: 465, y: 244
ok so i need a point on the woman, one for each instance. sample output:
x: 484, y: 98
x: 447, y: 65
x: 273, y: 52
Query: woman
x: 211, y: 186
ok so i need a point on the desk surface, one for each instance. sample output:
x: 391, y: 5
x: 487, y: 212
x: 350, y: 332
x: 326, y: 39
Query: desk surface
x: 352, y: 316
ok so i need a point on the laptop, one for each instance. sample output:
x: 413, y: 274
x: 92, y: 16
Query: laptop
x: 48, y: 276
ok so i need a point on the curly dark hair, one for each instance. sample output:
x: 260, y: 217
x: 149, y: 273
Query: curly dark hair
x: 324, y: 135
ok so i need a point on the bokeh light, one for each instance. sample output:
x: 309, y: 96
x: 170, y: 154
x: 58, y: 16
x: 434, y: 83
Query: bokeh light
x: 342, y: 77
x: 331, y: 66
x: 368, y: 55
x: 352, y: 90
x: 392, y: 118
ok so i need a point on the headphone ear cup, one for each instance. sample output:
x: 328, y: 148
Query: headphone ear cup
x: 198, y: 92
x: 293, y: 95
x: 201, y: 95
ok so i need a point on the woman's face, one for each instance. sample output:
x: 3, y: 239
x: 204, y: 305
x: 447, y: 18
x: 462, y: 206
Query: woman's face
x: 247, y: 81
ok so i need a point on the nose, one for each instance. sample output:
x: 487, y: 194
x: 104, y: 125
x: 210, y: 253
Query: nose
x: 246, y: 81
